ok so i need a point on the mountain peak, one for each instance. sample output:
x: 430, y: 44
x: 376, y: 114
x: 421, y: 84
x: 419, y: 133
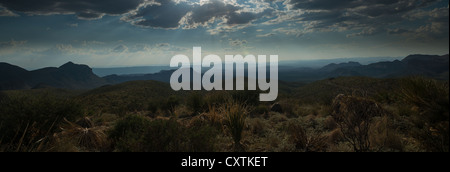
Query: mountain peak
x: 334, y: 66
x: 68, y: 64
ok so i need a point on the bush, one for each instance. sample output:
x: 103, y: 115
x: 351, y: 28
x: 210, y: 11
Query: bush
x: 127, y: 133
x: 27, y: 122
x: 153, y: 106
x: 289, y: 108
x: 258, y: 127
x: 354, y: 117
x: 138, y: 134
x: 260, y: 110
x: 170, y: 104
x: 165, y: 136
x: 196, y: 103
x: 248, y: 97
x: 313, y: 142
x: 329, y: 123
x: 431, y: 101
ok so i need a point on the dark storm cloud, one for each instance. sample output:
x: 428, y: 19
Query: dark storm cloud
x: 370, y: 16
x: 213, y: 9
x: 169, y: 14
x: 84, y: 9
x: 166, y: 14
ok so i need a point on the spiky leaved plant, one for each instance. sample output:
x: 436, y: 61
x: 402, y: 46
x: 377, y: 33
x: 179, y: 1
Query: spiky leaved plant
x: 85, y: 134
x: 234, y: 122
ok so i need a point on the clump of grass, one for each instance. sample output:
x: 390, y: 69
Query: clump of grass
x: 235, y: 115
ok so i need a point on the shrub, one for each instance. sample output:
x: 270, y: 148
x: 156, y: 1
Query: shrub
x: 248, y: 97
x: 314, y: 142
x: 384, y: 137
x: 164, y: 136
x: 170, y: 136
x: 354, y: 117
x: 258, y: 126
x: 329, y: 123
x: 196, y: 103
x: 431, y: 99
x: 153, y: 106
x: 170, y: 104
x: 289, y: 108
x: 127, y: 133
x: 202, y: 138
x: 27, y: 122
x: 138, y: 134
x: 260, y: 110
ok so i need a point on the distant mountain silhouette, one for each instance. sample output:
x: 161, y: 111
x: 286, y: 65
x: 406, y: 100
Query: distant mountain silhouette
x: 162, y: 76
x: 74, y: 76
x: 432, y: 66
x: 69, y: 76
x: 334, y: 66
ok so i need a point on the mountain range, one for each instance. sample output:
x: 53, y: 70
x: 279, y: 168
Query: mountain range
x: 69, y: 76
x: 75, y: 76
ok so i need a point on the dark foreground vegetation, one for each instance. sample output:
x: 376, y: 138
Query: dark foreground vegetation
x: 334, y: 115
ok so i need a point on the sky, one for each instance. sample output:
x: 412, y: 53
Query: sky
x: 115, y: 33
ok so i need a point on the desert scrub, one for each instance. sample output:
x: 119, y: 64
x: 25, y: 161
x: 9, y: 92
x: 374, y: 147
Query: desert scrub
x: 27, y: 122
x: 139, y: 134
x: 235, y: 115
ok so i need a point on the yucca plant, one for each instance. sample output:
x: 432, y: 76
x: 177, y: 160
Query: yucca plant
x: 234, y: 122
x: 85, y: 134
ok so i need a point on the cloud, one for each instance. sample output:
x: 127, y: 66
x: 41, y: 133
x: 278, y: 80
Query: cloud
x: 57, y: 50
x: 365, y: 32
x: 265, y: 35
x: 120, y: 49
x: 6, y: 13
x: 290, y: 31
x: 171, y: 14
x: 11, y: 44
x: 368, y: 16
x: 165, y: 14
x: 237, y: 42
x: 72, y: 24
x: 84, y: 9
